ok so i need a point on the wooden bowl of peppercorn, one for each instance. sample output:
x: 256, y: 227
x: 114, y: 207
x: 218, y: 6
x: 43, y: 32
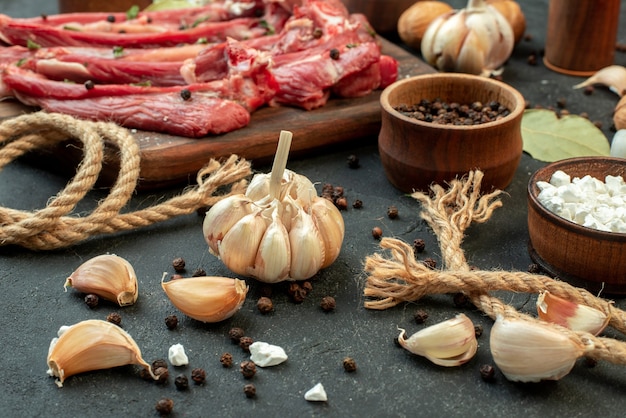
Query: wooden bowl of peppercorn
x: 437, y: 127
x: 570, y: 249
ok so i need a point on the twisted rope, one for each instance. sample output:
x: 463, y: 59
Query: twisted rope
x: 52, y: 227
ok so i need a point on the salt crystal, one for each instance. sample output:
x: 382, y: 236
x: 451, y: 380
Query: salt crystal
x: 266, y: 355
x: 560, y: 178
x: 316, y: 393
x: 177, y: 356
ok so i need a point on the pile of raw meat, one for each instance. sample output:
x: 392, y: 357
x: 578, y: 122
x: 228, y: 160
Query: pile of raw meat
x: 191, y: 72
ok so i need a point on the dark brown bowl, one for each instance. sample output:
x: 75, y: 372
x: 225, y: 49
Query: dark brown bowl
x: 583, y: 256
x: 416, y: 154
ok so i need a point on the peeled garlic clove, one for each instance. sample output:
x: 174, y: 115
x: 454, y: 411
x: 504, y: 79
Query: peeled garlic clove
x: 613, y: 77
x: 569, y: 314
x: 528, y: 351
x: 109, y: 276
x: 273, y: 258
x: 208, y: 298
x: 92, y: 345
x: 222, y: 216
x: 307, y: 247
x: 329, y: 223
x: 238, y: 249
x: 448, y: 343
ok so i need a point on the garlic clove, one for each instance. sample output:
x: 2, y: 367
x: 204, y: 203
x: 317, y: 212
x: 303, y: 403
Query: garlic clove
x: 273, y: 257
x: 528, y: 351
x: 413, y: 21
x: 307, y: 247
x: 221, y: 217
x: 618, y: 144
x: 512, y: 12
x: 329, y: 222
x: 238, y: 249
x: 208, y: 298
x: 619, y: 114
x: 551, y: 308
x: 613, y: 77
x: 92, y: 345
x: 448, y: 343
x: 109, y: 276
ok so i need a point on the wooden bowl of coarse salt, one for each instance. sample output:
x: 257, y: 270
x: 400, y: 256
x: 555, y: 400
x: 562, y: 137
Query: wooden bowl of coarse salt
x: 577, y: 222
x: 467, y: 123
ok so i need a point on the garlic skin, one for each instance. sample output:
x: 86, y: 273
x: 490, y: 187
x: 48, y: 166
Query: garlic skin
x: 109, y: 276
x: 279, y: 230
x: 613, y: 77
x: 208, y: 298
x: 475, y: 40
x: 551, y: 308
x: 92, y: 345
x: 526, y: 351
x: 449, y: 343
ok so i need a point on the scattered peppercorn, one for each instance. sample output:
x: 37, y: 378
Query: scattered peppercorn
x: 245, y: 343
x: 44, y: 17
x: 328, y: 303
x: 441, y: 112
x: 528, y: 37
x: 377, y: 232
x: 334, y: 54
x: 249, y: 390
x: 597, y: 124
x: 534, y: 268
x: 353, y: 161
x: 584, y: 115
x: 115, y: 318
x: 185, y: 94
x: 341, y: 203
x: 164, y: 406
x: 162, y: 374
x: 338, y: 192
x: 487, y: 372
x: 590, y: 362
x: 532, y: 59
x: 431, y: 263
x: 420, y: 316
x: 307, y: 286
x: 227, y: 360
x: 198, y: 376
x: 171, y: 321
x: 89, y: 85
x: 296, y: 292
x: 478, y: 330
x: 176, y: 277
x: 179, y: 264
x: 235, y: 334
x: 111, y: 18
x: 561, y: 102
x: 460, y: 300
x: 392, y: 212
x: 266, y: 290
x: 588, y: 90
x: 181, y: 382
x: 358, y: 204
x: 92, y: 300
x: 419, y: 245
x: 248, y: 369
x: 199, y: 272
x: 349, y: 364
x: 317, y: 33
x: 265, y: 305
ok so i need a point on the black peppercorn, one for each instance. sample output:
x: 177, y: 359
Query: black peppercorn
x: 341, y: 203
x: 460, y: 300
x: 296, y: 292
x: 159, y: 363
x: 353, y: 161
x: 265, y: 305
x: 307, y: 286
x: 227, y: 360
x: 199, y: 272
x: 248, y: 369
x: 179, y: 264
x: 358, y: 204
x: 110, y: 18
x: 249, y: 390
x: 431, y: 263
x: 487, y: 372
x: 328, y: 303
x: 245, y: 343
x: 185, y: 94
x: 164, y: 406
x: 419, y: 245
x: 420, y: 316
x: 334, y: 54
x: 235, y: 334
x: 89, y: 85
x: 198, y: 376
x: 171, y: 321
x: 349, y: 364
x: 115, y: 318
x: 478, y: 330
x: 92, y: 300
x: 377, y: 232
x: 392, y: 212
x: 162, y: 374
x: 181, y: 382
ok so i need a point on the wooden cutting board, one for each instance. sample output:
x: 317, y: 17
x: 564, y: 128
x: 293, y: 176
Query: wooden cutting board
x: 167, y: 159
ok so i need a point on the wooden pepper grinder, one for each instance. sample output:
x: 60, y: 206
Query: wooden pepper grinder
x: 581, y: 35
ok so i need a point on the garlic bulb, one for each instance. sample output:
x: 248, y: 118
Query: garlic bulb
x: 109, y: 276
x: 413, y: 21
x: 526, y: 351
x: 475, y: 40
x: 448, y: 343
x: 280, y: 229
x: 92, y: 345
x: 569, y: 314
x: 206, y: 299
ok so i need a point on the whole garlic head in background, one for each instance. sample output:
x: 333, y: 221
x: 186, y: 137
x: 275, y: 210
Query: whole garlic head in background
x: 475, y: 40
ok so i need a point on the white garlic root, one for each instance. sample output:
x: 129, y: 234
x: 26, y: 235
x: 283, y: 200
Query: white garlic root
x: 613, y: 77
x: 448, y: 343
x: 92, y: 345
x: 206, y: 299
x: 526, y: 351
x: 475, y: 40
x: 279, y: 230
x: 109, y: 276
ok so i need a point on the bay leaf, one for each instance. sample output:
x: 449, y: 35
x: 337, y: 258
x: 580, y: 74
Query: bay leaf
x: 550, y: 138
